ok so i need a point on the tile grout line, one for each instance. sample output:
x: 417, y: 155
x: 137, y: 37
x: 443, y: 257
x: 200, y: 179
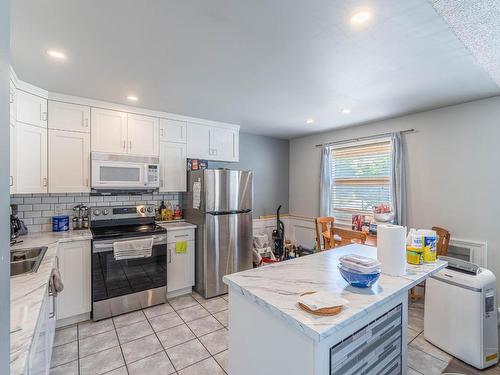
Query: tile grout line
x: 119, y: 345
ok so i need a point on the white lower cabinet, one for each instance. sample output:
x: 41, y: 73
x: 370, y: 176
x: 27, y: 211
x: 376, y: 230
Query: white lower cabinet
x: 41, y: 348
x: 74, y: 266
x: 172, y: 167
x: 30, y: 151
x: 180, y: 267
x: 69, y: 162
x: 12, y: 174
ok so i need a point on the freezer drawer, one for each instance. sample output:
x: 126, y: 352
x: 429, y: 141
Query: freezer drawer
x: 228, y: 249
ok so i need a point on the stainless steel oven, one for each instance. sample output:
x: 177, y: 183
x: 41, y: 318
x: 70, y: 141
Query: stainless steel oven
x: 123, y: 285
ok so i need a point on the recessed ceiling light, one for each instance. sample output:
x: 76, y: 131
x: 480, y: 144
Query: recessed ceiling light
x: 56, y: 54
x: 346, y: 111
x: 361, y: 17
x: 132, y: 98
x: 310, y: 121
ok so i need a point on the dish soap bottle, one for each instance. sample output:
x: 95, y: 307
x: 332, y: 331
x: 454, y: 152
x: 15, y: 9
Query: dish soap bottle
x: 163, y: 211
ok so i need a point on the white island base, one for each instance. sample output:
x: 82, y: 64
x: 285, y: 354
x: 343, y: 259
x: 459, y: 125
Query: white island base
x: 270, y: 334
x: 261, y: 343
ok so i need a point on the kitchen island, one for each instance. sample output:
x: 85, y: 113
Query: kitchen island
x: 269, y: 334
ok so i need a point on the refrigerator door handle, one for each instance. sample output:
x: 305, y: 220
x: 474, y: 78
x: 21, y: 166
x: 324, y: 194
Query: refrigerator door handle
x: 229, y: 212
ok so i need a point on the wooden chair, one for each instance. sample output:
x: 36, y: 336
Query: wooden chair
x: 442, y: 242
x: 347, y: 236
x: 323, y: 232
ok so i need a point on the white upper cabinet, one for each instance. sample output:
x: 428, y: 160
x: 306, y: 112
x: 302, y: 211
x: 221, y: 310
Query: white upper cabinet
x: 12, y: 101
x: 212, y: 142
x: 31, y: 159
x: 172, y: 167
x: 173, y: 130
x: 225, y: 144
x: 12, y: 176
x: 71, y: 117
x: 143, y: 135
x: 109, y: 131
x: 31, y: 109
x: 69, y: 162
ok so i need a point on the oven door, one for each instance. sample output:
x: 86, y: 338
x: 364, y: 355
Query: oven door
x: 120, y: 286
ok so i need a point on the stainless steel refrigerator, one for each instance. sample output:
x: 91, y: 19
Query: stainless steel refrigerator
x: 219, y: 202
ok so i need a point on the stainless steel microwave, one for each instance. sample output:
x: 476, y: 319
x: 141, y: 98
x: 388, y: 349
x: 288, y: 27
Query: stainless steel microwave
x: 125, y: 172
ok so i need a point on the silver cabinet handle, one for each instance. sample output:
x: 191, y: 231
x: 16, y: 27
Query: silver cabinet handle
x: 130, y: 145
x: 161, y: 132
x: 11, y: 97
x: 124, y: 144
x: 161, y: 183
x: 169, y: 255
x: 44, y: 116
x: 87, y: 182
x: 11, y: 180
x: 44, y: 182
x: 181, y: 235
x: 86, y: 123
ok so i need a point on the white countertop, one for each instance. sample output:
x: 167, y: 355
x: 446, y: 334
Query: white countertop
x: 28, y: 291
x: 176, y: 225
x: 276, y: 288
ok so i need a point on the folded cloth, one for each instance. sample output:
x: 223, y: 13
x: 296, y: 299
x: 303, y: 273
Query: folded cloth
x: 360, y: 263
x: 322, y: 300
x: 131, y: 249
x: 56, y: 285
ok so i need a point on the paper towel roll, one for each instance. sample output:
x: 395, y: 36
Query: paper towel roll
x: 391, y: 249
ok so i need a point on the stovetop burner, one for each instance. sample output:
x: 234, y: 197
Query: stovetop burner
x: 127, y: 231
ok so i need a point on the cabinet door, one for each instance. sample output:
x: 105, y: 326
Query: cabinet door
x: 143, y: 135
x: 225, y: 144
x: 109, y: 131
x: 31, y: 159
x: 69, y: 162
x: 38, y: 352
x: 198, y: 141
x: 74, y: 265
x: 12, y: 176
x: 12, y: 101
x: 66, y: 116
x: 180, y: 268
x: 173, y: 130
x: 172, y: 167
x: 31, y: 109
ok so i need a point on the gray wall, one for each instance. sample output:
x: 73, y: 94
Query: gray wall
x: 4, y: 187
x: 453, y: 170
x: 268, y: 158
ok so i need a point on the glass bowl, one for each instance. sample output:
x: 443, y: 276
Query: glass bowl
x: 358, y: 280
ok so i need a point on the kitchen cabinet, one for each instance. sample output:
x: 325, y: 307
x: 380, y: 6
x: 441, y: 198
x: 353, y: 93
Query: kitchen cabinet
x: 180, y: 266
x: 172, y: 167
x: 124, y: 133
x: 69, y: 162
x: 40, y: 351
x: 143, y: 135
x: 173, y: 130
x: 12, y: 158
x: 31, y: 109
x: 109, y: 131
x: 70, y: 117
x: 30, y: 150
x: 212, y: 142
x: 74, y: 266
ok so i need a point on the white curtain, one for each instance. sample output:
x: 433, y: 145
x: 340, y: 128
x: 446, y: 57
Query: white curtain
x: 398, y: 179
x: 325, y: 182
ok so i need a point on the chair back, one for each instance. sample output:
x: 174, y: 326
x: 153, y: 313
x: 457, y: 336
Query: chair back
x: 442, y: 241
x: 323, y: 229
x: 342, y: 237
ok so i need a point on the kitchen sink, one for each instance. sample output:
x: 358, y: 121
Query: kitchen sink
x: 26, y: 260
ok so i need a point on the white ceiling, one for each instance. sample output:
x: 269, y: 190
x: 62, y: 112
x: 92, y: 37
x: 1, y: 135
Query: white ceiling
x: 267, y: 65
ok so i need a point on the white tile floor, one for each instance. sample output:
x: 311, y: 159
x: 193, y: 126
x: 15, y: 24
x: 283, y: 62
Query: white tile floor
x: 186, y: 336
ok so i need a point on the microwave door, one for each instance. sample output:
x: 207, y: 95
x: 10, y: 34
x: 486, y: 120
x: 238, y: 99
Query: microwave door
x: 117, y: 175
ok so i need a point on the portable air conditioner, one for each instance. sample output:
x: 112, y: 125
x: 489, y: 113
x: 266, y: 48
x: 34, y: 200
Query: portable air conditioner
x: 460, y: 315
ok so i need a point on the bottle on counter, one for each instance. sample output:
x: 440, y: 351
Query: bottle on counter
x: 170, y: 211
x: 177, y: 212
x: 163, y: 211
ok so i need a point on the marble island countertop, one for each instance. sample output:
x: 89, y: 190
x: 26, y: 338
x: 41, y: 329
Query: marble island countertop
x: 27, y: 292
x: 276, y: 288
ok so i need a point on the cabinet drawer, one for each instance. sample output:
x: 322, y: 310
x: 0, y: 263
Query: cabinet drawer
x: 180, y: 235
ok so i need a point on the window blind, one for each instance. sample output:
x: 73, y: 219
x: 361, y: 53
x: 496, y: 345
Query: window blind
x: 361, y: 178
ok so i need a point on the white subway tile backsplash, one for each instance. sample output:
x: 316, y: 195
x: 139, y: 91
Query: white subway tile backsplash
x: 36, y: 210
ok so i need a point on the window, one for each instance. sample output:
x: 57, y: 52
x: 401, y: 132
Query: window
x: 360, y: 178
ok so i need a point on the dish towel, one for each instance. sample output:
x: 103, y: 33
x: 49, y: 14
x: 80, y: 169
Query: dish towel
x: 56, y: 285
x: 321, y: 300
x: 133, y: 249
x: 181, y: 247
